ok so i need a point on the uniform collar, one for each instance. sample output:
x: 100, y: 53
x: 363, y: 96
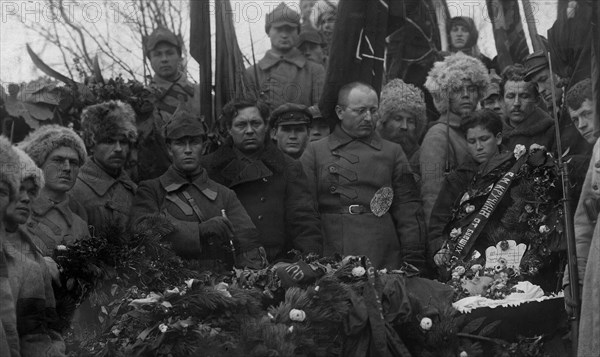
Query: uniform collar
x: 99, y: 181
x: 42, y: 205
x: 172, y: 181
x: 340, y: 138
x: 270, y: 59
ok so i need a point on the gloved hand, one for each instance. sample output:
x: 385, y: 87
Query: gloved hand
x: 570, y: 304
x: 217, y: 227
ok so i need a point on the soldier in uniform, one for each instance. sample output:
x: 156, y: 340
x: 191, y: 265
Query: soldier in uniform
x: 164, y: 50
x: 290, y: 124
x: 103, y: 187
x: 210, y: 223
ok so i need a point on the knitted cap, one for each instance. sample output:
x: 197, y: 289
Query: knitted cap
x: 399, y: 96
x: 9, y: 166
x: 449, y: 74
x: 39, y: 144
x: 28, y: 169
x: 282, y: 15
x: 108, y: 119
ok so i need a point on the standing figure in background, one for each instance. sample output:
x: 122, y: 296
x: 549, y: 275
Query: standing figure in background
x: 319, y: 128
x: 463, y: 36
x: 56, y: 218
x: 456, y: 84
x: 312, y: 46
x: 103, y: 187
x: 326, y: 13
x: 289, y: 128
x: 403, y: 119
x: 284, y: 75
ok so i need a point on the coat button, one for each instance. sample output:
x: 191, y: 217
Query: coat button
x: 265, y: 179
x: 263, y: 199
x: 597, y: 165
x: 595, y: 187
x: 260, y: 217
x: 332, y: 188
x: 332, y: 169
x: 334, y: 152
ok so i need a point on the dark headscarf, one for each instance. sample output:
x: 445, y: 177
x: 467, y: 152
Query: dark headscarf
x: 469, y: 24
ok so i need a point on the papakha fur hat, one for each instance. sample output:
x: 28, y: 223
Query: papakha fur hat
x: 108, y: 119
x: 396, y: 96
x: 449, y: 74
x: 28, y: 169
x: 47, y: 138
x: 9, y: 166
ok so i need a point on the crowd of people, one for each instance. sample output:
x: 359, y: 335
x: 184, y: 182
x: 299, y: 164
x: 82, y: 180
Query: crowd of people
x: 382, y: 182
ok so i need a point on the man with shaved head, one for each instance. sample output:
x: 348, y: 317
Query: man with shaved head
x: 364, y: 188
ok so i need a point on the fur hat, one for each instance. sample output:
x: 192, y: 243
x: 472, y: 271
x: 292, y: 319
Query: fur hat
x: 397, y: 95
x: 448, y: 74
x: 47, y: 138
x: 107, y: 119
x: 9, y: 166
x: 29, y: 170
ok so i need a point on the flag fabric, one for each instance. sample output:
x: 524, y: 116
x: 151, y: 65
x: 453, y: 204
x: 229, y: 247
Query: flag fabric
x: 357, y: 49
x: 200, y: 50
x: 230, y: 71
x: 595, y: 30
x: 509, y: 36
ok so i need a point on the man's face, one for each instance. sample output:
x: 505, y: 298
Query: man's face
x: 544, y: 85
x: 401, y: 128
x: 583, y: 119
x: 519, y: 101
x: 18, y: 211
x: 291, y: 139
x: 459, y: 36
x: 185, y: 153
x: 4, y: 200
x: 482, y: 144
x: 312, y: 52
x: 319, y: 130
x: 463, y: 100
x: 327, y: 25
x: 358, y: 114
x: 61, y: 169
x: 494, y: 102
x: 248, y: 130
x: 112, y: 153
x: 165, y: 61
x: 283, y: 38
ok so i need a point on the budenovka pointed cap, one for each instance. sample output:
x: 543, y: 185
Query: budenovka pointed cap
x: 282, y: 15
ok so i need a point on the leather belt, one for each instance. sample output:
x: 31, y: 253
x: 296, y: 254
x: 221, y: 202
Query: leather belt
x: 352, y: 209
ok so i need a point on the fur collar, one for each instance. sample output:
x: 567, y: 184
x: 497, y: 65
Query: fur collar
x: 537, y: 123
x: 223, y: 164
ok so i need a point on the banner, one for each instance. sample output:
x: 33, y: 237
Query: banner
x: 509, y: 36
x: 357, y: 49
x: 201, y: 51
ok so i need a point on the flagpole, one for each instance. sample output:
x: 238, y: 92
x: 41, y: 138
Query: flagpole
x: 536, y: 41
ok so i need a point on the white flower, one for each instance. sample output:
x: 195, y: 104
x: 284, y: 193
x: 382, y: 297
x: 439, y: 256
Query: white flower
x: 270, y: 316
x: 317, y: 288
x: 222, y: 288
x: 358, y: 271
x: 189, y: 283
x: 455, y: 275
x: 291, y: 329
x: 463, y: 354
x: 465, y: 198
x: 297, y: 315
x: 174, y: 291
x: 519, y: 151
x: 469, y: 208
x: 535, y: 147
x: 163, y: 328
x: 459, y: 269
x: 426, y: 323
x: 476, y: 267
x: 455, y: 232
x: 544, y: 229
x: 61, y: 247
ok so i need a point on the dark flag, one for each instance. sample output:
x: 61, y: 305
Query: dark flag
x: 229, y: 63
x: 357, y: 49
x: 509, y: 36
x: 201, y: 52
x: 595, y: 30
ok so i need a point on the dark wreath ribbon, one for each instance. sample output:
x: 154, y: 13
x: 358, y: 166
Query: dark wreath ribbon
x: 467, y: 239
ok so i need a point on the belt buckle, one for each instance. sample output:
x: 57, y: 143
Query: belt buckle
x: 353, y: 206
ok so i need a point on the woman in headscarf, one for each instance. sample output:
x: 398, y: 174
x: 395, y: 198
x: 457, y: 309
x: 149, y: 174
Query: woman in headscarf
x: 462, y: 37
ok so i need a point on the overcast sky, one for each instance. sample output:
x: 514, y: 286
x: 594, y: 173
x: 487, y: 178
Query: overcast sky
x: 15, y: 65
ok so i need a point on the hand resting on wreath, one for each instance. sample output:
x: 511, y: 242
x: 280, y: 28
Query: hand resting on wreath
x: 219, y: 227
x: 442, y: 257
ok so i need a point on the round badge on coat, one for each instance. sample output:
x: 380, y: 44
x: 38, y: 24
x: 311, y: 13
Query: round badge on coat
x: 382, y: 201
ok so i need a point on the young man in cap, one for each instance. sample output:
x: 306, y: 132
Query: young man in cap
x: 319, y: 128
x: 9, y: 185
x: 209, y: 221
x: 56, y: 218
x: 271, y: 186
x: 103, y: 187
x: 493, y: 99
x: 289, y: 128
x: 311, y: 45
x: 164, y: 50
x: 364, y: 188
x: 284, y: 75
